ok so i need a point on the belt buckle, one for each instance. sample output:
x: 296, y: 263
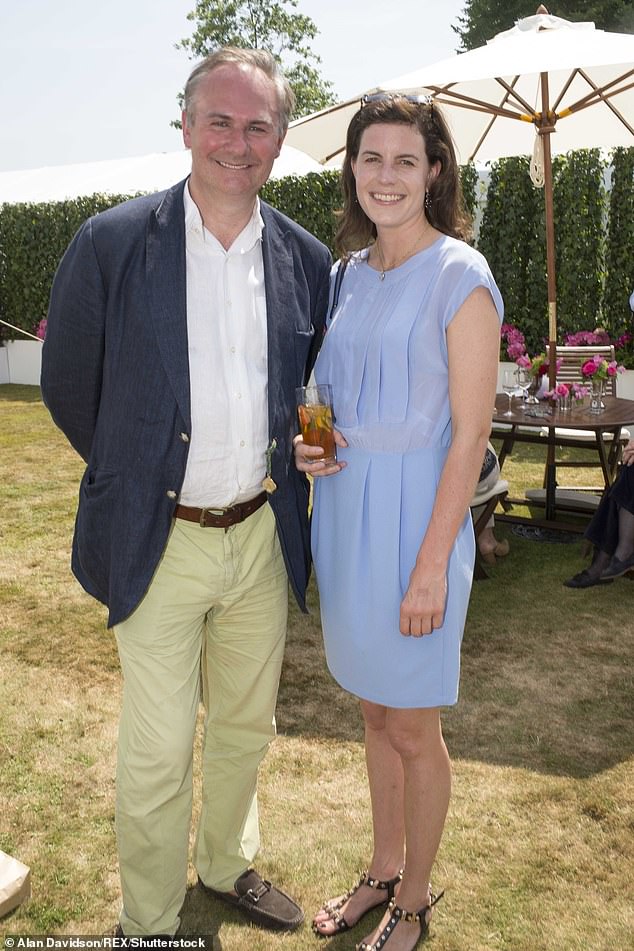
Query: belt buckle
x: 205, y: 512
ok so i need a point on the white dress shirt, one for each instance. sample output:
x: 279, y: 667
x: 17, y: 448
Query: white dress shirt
x: 228, y: 366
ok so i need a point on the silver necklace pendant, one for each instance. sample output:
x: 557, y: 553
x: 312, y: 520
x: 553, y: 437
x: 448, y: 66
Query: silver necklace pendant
x: 382, y: 276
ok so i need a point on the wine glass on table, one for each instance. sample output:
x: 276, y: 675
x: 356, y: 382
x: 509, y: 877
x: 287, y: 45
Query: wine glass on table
x: 509, y: 385
x: 524, y: 382
x: 532, y: 386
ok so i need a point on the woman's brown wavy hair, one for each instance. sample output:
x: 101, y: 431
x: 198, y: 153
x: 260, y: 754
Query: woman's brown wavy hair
x: 446, y: 213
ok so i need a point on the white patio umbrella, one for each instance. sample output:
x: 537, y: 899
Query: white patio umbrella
x: 546, y: 77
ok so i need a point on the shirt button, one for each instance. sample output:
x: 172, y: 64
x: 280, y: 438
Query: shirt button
x: 184, y: 437
x: 242, y: 442
x: 171, y: 494
x: 239, y: 396
x: 233, y: 349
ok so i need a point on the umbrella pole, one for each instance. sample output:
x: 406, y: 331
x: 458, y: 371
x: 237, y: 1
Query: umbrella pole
x: 550, y: 259
x: 545, y: 128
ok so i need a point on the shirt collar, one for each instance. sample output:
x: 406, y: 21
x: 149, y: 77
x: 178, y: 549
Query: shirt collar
x: 245, y: 241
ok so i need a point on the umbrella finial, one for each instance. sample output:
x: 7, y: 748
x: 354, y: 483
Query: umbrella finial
x: 541, y: 9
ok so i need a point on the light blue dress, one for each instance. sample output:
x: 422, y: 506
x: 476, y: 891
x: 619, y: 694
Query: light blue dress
x: 385, y: 354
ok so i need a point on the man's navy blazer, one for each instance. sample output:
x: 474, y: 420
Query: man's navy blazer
x: 115, y: 377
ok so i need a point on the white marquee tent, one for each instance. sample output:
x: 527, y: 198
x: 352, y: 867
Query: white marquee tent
x: 144, y: 173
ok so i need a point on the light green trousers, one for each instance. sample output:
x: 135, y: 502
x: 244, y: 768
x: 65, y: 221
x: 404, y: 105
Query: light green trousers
x: 217, y: 605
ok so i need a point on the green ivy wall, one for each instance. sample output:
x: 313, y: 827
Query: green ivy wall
x: 594, y: 230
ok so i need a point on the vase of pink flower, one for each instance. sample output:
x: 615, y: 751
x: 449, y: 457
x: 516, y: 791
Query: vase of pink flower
x: 567, y: 395
x: 537, y: 367
x: 596, y: 395
x: 597, y: 371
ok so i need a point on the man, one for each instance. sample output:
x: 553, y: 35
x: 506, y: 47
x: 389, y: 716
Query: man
x: 179, y: 326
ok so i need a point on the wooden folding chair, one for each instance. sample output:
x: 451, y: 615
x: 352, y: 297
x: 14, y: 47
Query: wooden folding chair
x: 572, y: 359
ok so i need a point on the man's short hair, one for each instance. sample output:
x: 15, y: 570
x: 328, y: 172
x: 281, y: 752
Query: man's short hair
x: 257, y: 59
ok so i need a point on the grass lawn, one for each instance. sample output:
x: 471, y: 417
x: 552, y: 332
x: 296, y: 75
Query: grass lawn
x: 538, y: 853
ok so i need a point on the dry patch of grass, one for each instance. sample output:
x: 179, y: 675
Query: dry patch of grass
x: 57, y: 748
x: 538, y: 850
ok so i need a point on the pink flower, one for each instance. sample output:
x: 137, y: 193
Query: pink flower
x: 515, y: 342
x: 40, y: 330
x: 588, y: 368
x: 516, y: 349
x: 562, y: 389
x: 524, y: 361
x: 586, y: 338
x: 600, y: 368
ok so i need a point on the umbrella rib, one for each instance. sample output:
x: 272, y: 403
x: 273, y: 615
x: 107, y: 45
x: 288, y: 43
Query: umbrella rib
x: 512, y: 91
x: 488, y: 127
x: 478, y: 105
x: 599, y: 91
x: 333, y: 154
x: 335, y: 108
x: 564, y: 90
x: 602, y: 94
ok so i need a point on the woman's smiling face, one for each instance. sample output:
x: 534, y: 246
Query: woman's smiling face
x: 392, y: 173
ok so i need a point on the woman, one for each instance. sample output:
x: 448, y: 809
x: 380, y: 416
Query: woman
x: 611, y: 531
x: 411, y: 353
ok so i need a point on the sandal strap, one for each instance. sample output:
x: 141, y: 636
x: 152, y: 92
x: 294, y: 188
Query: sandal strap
x: 400, y: 914
x: 419, y: 915
x: 384, y: 886
x: 366, y: 879
x: 333, y: 908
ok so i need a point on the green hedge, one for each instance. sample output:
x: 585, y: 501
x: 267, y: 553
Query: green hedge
x: 594, y: 244
x: 511, y: 221
x: 33, y: 238
x: 594, y: 240
x: 312, y: 200
x: 619, y: 263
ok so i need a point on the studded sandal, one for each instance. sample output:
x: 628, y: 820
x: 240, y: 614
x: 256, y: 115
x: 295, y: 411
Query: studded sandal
x: 333, y: 907
x: 422, y: 917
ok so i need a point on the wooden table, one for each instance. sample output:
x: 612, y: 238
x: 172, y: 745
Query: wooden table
x: 606, y: 427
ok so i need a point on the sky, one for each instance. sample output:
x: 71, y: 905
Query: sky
x: 82, y: 80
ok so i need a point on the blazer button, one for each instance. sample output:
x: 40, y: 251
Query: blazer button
x: 171, y: 494
x: 184, y: 437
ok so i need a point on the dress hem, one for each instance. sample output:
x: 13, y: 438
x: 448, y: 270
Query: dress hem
x: 385, y: 703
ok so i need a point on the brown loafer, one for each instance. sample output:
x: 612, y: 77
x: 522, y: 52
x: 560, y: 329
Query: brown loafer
x: 260, y: 902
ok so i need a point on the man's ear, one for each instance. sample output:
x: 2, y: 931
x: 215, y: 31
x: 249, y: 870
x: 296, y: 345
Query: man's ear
x: 186, y: 130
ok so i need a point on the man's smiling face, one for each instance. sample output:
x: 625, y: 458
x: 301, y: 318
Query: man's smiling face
x: 233, y: 132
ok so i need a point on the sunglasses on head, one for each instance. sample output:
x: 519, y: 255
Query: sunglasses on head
x: 395, y: 97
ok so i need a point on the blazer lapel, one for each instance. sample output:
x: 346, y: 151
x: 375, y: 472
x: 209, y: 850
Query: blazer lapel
x: 280, y: 317
x: 166, y: 279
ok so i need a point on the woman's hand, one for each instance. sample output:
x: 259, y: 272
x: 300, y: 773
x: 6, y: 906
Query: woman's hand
x: 308, y: 458
x: 628, y: 453
x: 423, y: 607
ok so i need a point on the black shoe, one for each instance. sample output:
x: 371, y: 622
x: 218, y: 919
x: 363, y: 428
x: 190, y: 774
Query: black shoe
x: 585, y: 580
x: 260, y: 902
x: 139, y: 940
x: 616, y: 568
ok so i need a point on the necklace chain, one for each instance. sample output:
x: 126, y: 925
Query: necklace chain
x: 398, y: 261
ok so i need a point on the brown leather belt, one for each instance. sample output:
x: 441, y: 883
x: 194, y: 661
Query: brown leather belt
x: 221, y: 518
